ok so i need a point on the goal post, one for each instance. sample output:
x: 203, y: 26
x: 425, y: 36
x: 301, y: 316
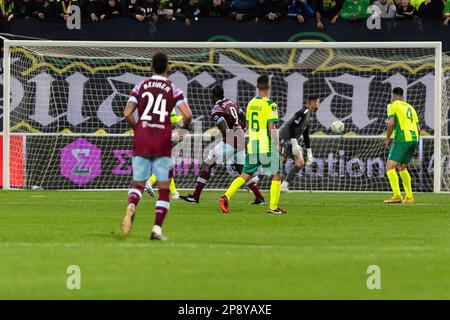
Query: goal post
x: 62, y: 101
x: 437, y: 117
x: 6, y: 105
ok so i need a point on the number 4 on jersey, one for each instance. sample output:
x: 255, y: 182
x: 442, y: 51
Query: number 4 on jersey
x: 409, y: 114
x: 159, y: 107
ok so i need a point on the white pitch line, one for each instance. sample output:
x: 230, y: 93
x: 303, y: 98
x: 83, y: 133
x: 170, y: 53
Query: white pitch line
x: 300, y: 204
x: 213, y: 245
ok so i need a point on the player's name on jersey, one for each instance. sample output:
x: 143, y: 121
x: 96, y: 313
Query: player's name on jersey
x: 259, y: 108
x: 157, y: 84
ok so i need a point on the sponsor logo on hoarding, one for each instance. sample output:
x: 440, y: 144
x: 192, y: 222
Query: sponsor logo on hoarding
x: 80, y: 161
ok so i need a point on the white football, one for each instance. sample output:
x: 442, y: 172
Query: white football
x: 337, y: 127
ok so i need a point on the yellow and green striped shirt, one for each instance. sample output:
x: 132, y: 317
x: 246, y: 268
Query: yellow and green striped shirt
x: 406, y: 121
x: 260, y: 111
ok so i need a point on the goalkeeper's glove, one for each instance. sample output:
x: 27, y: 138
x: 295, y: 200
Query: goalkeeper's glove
x: 296, y: 149
x: 309, y: 156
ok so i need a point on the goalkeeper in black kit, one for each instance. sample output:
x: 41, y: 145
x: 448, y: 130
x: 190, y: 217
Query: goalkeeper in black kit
x: 291, y: 133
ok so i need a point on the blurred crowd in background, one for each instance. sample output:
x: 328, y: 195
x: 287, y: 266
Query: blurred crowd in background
x: 189, y: 11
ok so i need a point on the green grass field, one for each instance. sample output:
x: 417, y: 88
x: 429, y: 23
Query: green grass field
x: 320, y: 250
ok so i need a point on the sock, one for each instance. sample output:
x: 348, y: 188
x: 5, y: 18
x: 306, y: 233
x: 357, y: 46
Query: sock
x: 292, y: 173
x: 135, y: 194
x: 275, y: 189
x: 202, y: 180
x: 234, y: 187
x: 393, y: 180
x: 173, y: 189
x: 162, y: 206
x: 406, y: 179
x: 152, y: 180
x: 258, y: 196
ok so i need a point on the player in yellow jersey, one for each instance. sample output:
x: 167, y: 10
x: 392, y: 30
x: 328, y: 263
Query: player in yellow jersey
x: 262, y: 147
x: 403, y: 125
x: 174, y: 119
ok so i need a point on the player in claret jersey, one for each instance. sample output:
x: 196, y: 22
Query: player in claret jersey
x: 174, y: 119
x: 230, y: 120
x: 154, y: 99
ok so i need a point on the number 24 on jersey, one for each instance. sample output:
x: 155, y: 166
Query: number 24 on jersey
x: 153, y: 107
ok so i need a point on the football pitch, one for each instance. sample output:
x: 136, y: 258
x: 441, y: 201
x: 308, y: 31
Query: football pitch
x: 320, y: 250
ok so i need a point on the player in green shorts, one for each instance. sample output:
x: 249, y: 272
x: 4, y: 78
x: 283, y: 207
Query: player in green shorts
x: 262, y: 147
x: 403, y: 126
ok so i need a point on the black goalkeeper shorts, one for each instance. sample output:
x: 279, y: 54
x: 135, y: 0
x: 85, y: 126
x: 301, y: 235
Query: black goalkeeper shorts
x: 286, y: 149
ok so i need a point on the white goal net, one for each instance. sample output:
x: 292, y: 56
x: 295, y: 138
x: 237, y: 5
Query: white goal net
x: 64, y: 126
